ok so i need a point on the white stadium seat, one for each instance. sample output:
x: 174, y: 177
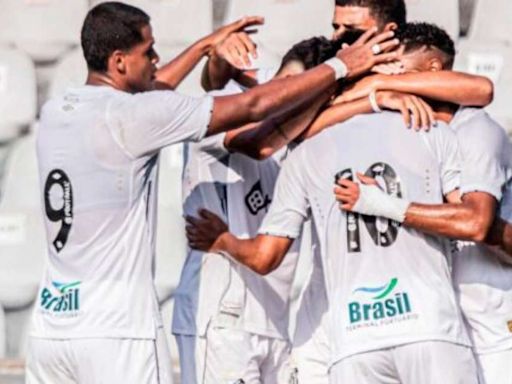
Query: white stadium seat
x: 70, y: 71
x: 171, y: 242
x: 492, y: 21
x: 43, y: 28
x: 18, y: 94
x: 286, y: 21
x: 492, y: 60
x: 444, y: 13
x: 176, y: 22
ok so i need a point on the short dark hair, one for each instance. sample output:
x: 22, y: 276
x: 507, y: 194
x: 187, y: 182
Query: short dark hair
x: 108, y: 27
x: 414, y: 36
x: 384, y: 11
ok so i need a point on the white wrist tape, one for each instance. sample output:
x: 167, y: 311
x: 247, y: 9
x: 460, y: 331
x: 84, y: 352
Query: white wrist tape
x: 339, y: 67
x: 373, y: 102
x: 373, y: 201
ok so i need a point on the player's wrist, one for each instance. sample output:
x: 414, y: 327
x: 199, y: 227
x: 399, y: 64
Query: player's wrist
x: 375, y: 202
x: 338, y: 66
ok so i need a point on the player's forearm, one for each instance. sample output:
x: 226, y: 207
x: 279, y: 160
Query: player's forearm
x: 173, y: 73
x: 337, y: 114
x: 275, y: 97
x: 253, y: 253
x: 501, y: 235
x: 447, y: 86
x: 216, y: 73
x: 457, y: 221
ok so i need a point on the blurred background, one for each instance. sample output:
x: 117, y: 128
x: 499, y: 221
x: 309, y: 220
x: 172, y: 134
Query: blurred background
x: 40, y: 57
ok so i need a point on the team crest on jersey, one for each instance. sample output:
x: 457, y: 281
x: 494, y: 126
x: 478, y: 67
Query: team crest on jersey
x: 256, y: 200
x: 61, y: 298
x: 378, y: 306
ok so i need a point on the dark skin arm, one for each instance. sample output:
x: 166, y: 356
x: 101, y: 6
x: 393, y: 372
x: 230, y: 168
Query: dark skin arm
x: 500, y: 235
x: 285, y: 94
x: 262, y: 254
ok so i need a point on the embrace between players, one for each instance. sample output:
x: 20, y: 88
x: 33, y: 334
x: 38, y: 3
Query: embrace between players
x: 390, y: 298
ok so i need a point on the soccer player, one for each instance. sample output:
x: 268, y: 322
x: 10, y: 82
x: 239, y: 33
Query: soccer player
x: 393, y: 315
x: 96, y: 317
x: 482, y: 279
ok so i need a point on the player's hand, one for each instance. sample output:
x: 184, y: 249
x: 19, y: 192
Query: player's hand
x: 416, y: 112
x: 347, y: 192
x: 233, y: 44
x: 368, y: 51
x: 394, y: 68
x: 203, y: 232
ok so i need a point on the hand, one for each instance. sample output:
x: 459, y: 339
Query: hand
x: 360, y: 57
x: 203, y: 232
x: 233, y: 44
x: 415, y: 111
x: 359, y: 89
x: 347, y: 192
x: 394, y: 68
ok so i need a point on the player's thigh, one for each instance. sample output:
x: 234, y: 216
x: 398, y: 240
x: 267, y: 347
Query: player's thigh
x: 375, y: 367
x: 435, y: 362
x: 127, y: 361
x: 231, y: 357
x: 192, y: 350
x: 496, y: 368
x: 48, y: 362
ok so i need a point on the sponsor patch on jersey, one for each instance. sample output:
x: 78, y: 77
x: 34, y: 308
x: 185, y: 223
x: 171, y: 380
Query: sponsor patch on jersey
x: 61, y: 299
x: 379, y: 306
x: 256, y: 200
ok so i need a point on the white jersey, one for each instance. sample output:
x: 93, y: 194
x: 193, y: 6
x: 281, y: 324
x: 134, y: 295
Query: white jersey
x: 265, y: 298
x: 483, y: 283
x: 386, y: 285
x: 98, y: 161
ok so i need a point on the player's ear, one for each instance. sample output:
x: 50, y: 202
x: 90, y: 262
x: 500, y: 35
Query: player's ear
x: 117, y: 61
x: 435, y: 65
x: 390, y: 27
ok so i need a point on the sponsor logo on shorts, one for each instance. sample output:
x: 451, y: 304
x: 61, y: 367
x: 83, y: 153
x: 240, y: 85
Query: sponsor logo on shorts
x: 61, y: 298
x: 378, y: 306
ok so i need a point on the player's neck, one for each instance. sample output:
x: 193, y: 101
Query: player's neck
x: 103, y: 79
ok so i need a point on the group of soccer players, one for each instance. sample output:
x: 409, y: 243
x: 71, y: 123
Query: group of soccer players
x: 313, y: 159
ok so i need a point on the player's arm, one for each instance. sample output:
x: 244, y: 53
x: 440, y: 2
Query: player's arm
x: 445, y: 86
x: 173, y: 73
x: 469, y: 219
x: 416, y: 112
x: 261, y: 140
x: 262, y: 254
x: 282, y: 95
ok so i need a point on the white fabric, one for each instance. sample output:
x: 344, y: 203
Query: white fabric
x: 366, y: 261
x: 495, y: 367
x: 418, y: 363
x: 339, y: 67
x: 374, y: 201
x: 482, y: 281
x: 98, y: 162
x: 227, y: 355
x: 98, y: 361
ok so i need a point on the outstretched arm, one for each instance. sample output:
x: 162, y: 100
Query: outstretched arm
x: 262, y: 254
x: 445, y: 86
x: 173, y: 73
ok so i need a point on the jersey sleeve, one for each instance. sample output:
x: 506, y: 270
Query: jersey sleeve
x: 482, y: 150
x: 146, y: 122
x: 289, y: 207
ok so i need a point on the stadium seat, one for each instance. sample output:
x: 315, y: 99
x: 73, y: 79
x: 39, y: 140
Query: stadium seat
x: 43, y: 28
x: 286, y: 21
x: 444, y: 13
x: 22, y: 236
x: 492, y: 21
x: 18, y: 94
x: 70, y: 71
x: 176, y: 22
x: 492, y: 60
x: 171, y: 241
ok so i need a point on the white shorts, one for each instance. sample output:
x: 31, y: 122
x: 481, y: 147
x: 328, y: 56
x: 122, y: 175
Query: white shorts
x: 230, y: 356
x: 429, y: 362
x: 496, y: 368
x: 99, y: 361
x: 310, y: 350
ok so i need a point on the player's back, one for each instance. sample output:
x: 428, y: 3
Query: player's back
x: 99, y: 215
x: 387, y: 285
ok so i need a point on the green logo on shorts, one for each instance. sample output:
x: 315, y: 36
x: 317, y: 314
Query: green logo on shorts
x: 384, y: 303
x: 64, y: 298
